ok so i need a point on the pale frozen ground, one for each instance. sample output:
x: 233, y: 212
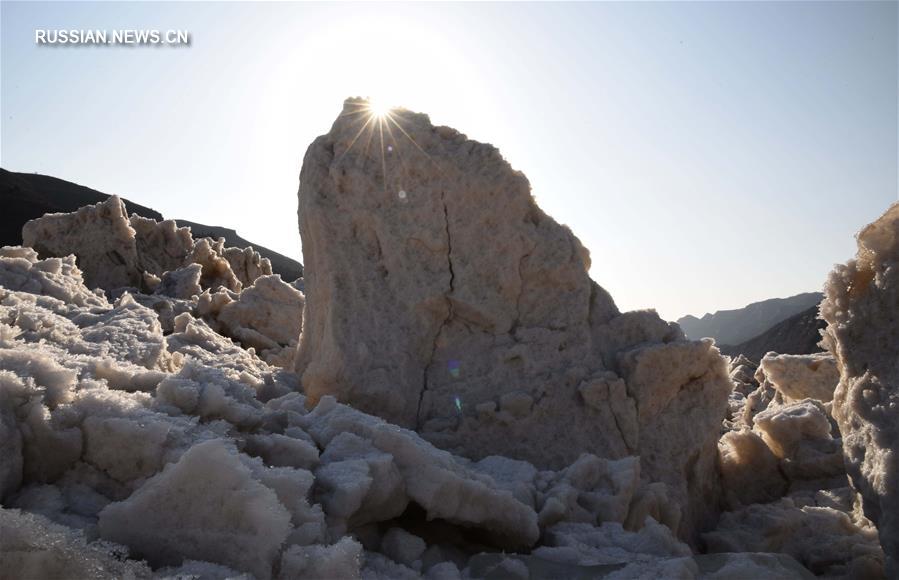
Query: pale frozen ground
x: 193, y: 456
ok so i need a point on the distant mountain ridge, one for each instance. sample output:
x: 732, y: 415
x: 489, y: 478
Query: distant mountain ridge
x: 26, y: 196
x: 734, y: 327
x: 798, y: 334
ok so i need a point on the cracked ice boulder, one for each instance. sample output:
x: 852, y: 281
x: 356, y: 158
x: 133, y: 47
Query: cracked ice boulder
x: 440, y: 297
x: 861, y: 307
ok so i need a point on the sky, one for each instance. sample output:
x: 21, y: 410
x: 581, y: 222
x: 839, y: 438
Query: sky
x: 708, y: 154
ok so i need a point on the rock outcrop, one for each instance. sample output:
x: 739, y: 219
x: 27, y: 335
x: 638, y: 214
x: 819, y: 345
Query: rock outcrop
x: 861, y: 307
x: 441, y: 298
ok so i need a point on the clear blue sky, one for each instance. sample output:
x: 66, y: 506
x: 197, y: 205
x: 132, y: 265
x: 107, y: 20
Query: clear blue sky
x: 708, y: 154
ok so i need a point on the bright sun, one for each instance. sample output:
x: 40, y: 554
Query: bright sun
x: 378, y: 107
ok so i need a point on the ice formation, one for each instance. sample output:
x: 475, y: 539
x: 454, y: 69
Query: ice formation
x: 451, y: 413
x: 189, y: 452
x: 512, y: 351
x: 861, y: 306
x: 798, y: 505
x: 782, y: 466
x: 267, y: 316
x: 165, y: 269
x: 115, y: 251
x: 800, y: 376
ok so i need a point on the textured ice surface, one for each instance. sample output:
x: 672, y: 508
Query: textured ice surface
x: 802, y: 376
x: 861, y: 307
x: 187, y: 450
x: 31, y: 546
x: 206, y: 500
x: 115, y: 251
x: 823, y: 539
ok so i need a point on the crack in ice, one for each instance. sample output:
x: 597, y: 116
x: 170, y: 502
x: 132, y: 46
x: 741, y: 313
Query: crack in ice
x: 449, y: 311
